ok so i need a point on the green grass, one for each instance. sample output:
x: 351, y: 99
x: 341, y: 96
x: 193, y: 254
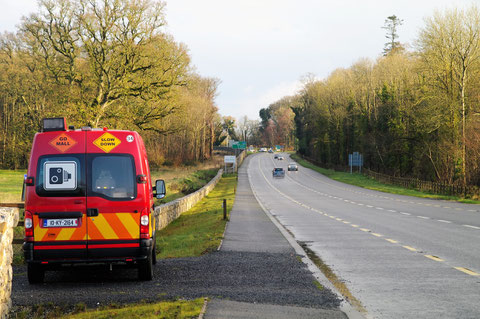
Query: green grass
x: 11, y: 183
x: 370, y: 183
x: 179, y: 186
x: 199, y: 230
x: 165, y: 309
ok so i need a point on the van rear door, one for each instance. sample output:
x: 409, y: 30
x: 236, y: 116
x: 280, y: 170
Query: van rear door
x: 113, y: 203
x: 58, y: 204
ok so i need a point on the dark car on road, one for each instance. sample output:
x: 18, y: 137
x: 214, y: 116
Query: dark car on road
x: 278, y: 172
x: 292, y: 167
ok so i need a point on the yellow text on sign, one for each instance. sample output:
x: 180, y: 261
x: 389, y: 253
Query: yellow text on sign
x: 107, y: 142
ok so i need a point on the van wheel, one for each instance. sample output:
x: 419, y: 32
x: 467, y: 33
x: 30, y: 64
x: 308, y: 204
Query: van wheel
x: 35, y: 273
x: 145, y: 269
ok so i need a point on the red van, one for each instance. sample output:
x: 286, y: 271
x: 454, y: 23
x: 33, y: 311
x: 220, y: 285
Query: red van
x: 88, y: 199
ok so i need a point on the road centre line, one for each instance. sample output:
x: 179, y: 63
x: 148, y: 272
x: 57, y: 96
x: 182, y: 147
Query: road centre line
x: 444, y: 221
x: 359, y: 204
x: 470, y: 226
x: 462, y: 269
x: 386, y: 197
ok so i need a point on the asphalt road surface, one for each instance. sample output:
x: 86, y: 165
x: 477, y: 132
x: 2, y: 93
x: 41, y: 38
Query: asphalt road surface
x: 401, y: 257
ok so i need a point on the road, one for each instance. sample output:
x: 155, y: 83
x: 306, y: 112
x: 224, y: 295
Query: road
x: 401, y: 257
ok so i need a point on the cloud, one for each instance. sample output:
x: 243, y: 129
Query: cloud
x: 256, y: 99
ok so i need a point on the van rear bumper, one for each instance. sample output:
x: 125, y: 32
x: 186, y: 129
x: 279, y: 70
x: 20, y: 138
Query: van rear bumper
x: 88, y: 252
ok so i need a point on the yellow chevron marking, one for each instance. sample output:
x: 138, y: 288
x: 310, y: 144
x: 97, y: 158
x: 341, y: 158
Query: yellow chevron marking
x: 132, y: 227
x: 39, y: 232
x: 104, y: 227
x: 65, y: 233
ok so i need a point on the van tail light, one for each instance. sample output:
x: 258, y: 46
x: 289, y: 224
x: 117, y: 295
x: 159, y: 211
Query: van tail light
x: 28, y: 226
x: 144, y: 223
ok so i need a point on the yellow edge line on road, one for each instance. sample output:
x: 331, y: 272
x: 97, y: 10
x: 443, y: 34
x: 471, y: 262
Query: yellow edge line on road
x: 467, y: 271
x: 434, y: 257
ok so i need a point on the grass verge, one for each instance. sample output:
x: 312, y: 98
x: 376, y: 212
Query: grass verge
x: 199, y: 230
x: 370, y: 183
x: 183, y: 185
x: 165, y: 309
x: 11, y: 183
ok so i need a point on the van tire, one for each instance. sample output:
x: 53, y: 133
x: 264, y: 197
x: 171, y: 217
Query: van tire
x: 35, y: 273
x: 145, y: 269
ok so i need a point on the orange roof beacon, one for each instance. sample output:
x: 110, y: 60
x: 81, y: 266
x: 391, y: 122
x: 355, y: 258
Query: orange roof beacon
x: 88, y: 199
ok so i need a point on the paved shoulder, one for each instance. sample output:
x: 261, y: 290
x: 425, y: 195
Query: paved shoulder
x: 251, y: 239
x: 236, y: 310
x: 249, y: 228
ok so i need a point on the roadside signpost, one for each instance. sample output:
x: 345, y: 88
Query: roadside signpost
x: 355, y: 159
x: 230, y: 161
x: 239, y: 145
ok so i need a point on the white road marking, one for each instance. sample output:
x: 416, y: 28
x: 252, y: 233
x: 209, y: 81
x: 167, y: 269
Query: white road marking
x: 470, y: 226
x: 444, y: 221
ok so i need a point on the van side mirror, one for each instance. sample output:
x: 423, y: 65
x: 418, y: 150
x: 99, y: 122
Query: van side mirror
x: 160, y: 189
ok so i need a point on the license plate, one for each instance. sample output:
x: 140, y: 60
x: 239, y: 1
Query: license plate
x: 66, y: 222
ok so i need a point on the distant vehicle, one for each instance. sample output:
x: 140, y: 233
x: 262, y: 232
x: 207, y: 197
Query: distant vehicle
x: 292, y: 167
x: 281, y: 158
x: 263, y: 149
x: 275, y: 156
x: 270, y: 151
x: 278, y: 172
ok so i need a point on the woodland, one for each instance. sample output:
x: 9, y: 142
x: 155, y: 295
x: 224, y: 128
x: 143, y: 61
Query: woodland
x: 413, y: 112
x: 104, y: 63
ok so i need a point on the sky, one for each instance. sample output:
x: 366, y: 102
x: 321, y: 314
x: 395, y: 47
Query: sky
x: 260, y: 49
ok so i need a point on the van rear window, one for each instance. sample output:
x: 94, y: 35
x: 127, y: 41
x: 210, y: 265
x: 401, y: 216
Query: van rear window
x: 111, y: 176
x: 61, y: 175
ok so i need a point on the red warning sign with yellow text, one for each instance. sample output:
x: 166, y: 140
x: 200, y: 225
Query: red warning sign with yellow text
x: 107, y: 142
x: 63, y: 142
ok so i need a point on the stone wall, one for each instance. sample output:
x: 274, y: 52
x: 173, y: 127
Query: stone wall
x: 166, y: 213
x: 241, y: 157
x: 8, y: 220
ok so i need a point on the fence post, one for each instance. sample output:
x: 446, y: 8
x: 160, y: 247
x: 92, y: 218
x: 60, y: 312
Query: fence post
x: 224, y: 209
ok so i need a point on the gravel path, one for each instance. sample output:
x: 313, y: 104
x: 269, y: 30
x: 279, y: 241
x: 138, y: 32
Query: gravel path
x: 241, y: 276
x: 256, y: 265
